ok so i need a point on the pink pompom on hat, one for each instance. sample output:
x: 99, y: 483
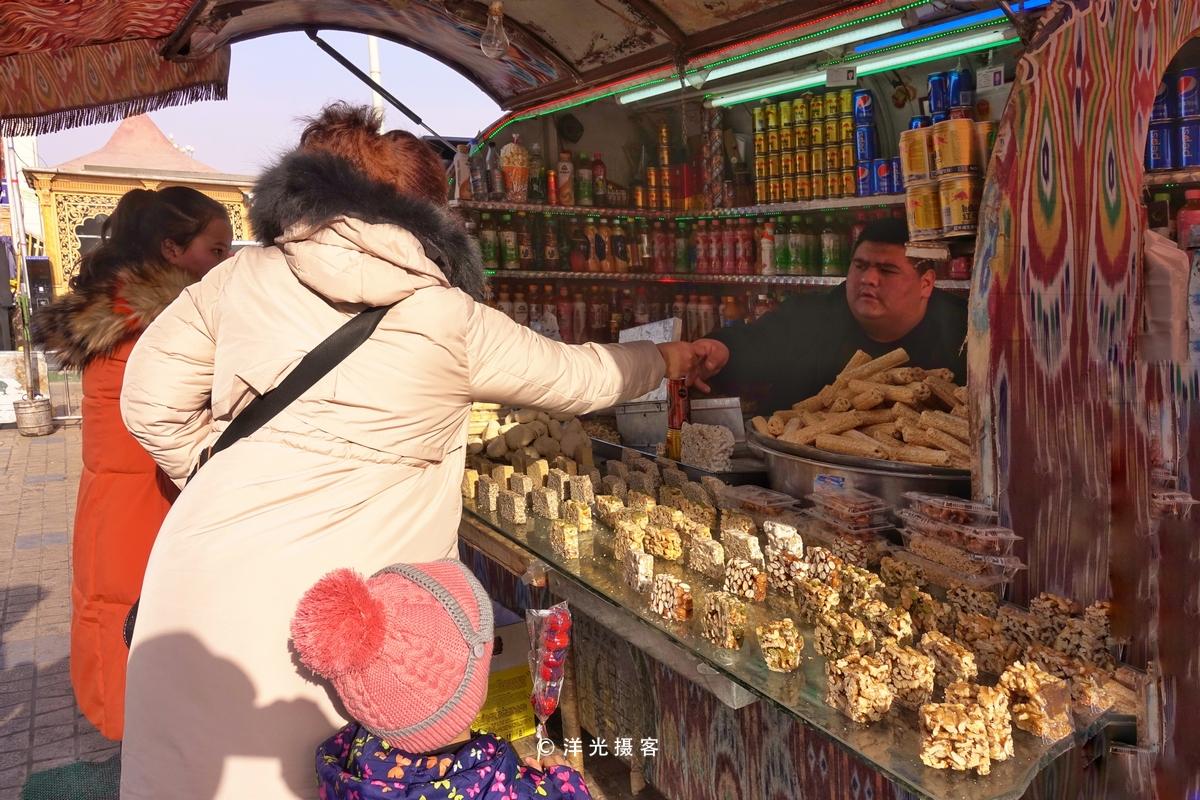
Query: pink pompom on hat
x: 407, y: 650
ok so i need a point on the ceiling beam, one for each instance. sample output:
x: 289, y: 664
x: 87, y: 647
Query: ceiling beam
x: 660, y: 20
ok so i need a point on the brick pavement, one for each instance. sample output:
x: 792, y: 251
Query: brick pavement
x: 40, y: 727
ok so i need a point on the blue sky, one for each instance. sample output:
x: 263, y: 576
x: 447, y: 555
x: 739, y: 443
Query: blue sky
x: 275, y: 79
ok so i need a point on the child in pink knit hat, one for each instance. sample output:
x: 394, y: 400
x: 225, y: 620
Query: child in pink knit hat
x: 407, y: 652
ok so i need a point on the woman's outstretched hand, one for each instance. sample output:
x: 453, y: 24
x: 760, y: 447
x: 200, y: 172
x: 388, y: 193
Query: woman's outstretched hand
x: 680, y: 358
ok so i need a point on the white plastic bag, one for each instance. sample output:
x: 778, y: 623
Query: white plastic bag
x: 1164, y: 334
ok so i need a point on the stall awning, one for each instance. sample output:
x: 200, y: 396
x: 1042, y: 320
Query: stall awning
x: 65, y: 63
x: 73, y: 62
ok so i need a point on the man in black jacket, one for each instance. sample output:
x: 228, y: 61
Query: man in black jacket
x: 886, y: 302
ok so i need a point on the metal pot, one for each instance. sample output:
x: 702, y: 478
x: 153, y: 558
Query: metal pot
x: 796, y: 473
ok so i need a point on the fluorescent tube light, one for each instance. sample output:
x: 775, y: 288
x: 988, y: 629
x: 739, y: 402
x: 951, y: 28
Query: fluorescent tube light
x: 947, y: 27
x: 807, y: 80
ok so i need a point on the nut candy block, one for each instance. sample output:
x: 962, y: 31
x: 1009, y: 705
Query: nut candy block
x: 628, y: 538
x: 1052, y: 611
x: 736, y: 522
x: 550, y: 635
x: 611, y: 484
x: 838, y: 634
x: 643, y: 483
x: 972, y: 601
x: 537, y: 470
x: 783, y: 567
x: 743, y: 546
x: 859, y: 585
x: 544, y: 503
x: 501, y: 473
x: 954, y: 736
x: 911, y: 677
x: 639, y: 500
x: 1019, y: 625
x: 996, y: 716
x: 985, y: 636
x: 858, y: 687
x: 639, y: 571
x: 511, y: 506
x: 745, y: 580
x: 581, y: 489
x: 883, y: 620
x: 696, y: 493
x: 559, y: 482
x: 564, y: 539
x: 896, y: 572
x: 618, y: 470
x: 723, y: 620
x: 666, y: 517
x: 520, y: 484
x: 673, y: 476
x: 664, y: 543
x: 815, y: 599
x: 607, y: 507
x: 952, y: 661
x: 825, y: 565
x: 1040, y: 702
x: 707, y: 556
x: 487, y: 494
x: 671, y: 598
x: 470, y: 478
x: 578, y: 513
x: 781, y: 644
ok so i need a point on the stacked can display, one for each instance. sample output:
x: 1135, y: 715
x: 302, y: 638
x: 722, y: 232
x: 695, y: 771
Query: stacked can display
x: 943, y: 162
x: 1174, y: 138
x: 874, y: 173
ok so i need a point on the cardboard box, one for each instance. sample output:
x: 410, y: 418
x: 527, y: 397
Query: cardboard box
x: 507, y: 712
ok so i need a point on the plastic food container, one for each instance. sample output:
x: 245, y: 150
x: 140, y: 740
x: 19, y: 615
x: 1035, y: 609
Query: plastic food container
x: 963, y: 561
x: 862, y: 548
x: 851, y: 507
x: 944, y: 577
x: 758, y: 500
x: 985, y: 540
x: 951, y: 509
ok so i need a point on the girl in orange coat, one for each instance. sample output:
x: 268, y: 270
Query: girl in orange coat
x: 154, y: 245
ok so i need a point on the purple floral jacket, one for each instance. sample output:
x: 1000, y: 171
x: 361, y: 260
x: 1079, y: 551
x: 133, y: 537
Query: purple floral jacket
x: 356, y: 765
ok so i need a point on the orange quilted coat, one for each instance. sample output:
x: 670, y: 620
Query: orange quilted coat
x: 123, y: 496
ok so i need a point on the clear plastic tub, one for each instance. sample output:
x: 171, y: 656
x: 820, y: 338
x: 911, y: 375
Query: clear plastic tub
x: 944, y: 577
x: 984, y: 540
x: 852, y: 507
x: 840, y: 526
x: 862, y: 548
x: 951, y: 509
x: 756, y: 499
x: 954, y: 558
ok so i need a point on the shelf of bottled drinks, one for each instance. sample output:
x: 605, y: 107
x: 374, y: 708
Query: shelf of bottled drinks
x: 731, y: 280
x: 1174, y: 177
x: 772, y: 209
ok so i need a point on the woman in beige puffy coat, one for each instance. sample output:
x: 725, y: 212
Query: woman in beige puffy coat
x: 363, y: 471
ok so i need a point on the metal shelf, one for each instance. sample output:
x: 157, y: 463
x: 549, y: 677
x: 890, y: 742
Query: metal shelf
x: 941, y: 249
x: 539, y: 208
x: 835, y: 204
x: 653, y: 277
x: 1189, y: 175
x: 771, y: 209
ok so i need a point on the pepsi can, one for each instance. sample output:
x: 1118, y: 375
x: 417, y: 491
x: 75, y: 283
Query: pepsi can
x: 919, y: 121
x: 866, y: 143
x: 1187, y: 92
x: 939, y: 93
x: 960, y: 85
x: 1187, y: 143
x: 897, y: 176
x: 864, y: 107
x: 1159, y: 150
x: 936, y: 118
x: 881, y: 176
x: 863, y: 178
x: 1164, y: 100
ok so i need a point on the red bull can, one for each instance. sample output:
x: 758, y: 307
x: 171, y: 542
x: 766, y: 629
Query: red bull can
x: 919, y: 121
x: 1159, y: 148
x: 939, y: 93
x: 864, y: 107
x: 881, y: 176
x: 866, y: 143
x: 897, y: 176
x: 1187, y: 143
x: 862, y: 178
x: 1187, y: 92
x: 960, y: 86
x: 1164, y: 100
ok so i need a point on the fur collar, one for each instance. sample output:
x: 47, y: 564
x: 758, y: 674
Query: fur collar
x: 314, y: 188
x: 82, y: 326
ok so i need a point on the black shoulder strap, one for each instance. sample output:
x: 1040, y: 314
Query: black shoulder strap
x: 314, y: 366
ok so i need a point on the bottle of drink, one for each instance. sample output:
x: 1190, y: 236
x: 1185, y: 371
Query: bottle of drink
x: 679, y: 308
x: 537, y: 174
x: 681, y: 248
x: 634, y: 241
x: 620, y: 250
x: 479, y: 181
x: 832, y: 261
x: 603, y: 247
x: 549, y: 242
x: 656, y: 306
x: 583, y: 181
x: 732, y: 312
x: 664, y: 249
x: 796, y: 246
x: 627, y: 313
x: 860, y: 224
x: 812, y: 236
x: 646, y: 247
x: 783, y: 251
x: 504, y: 304
x: 471, y: 223
x: 700, y: 248
x: 565, y: 312
x: 550, y: 325
x: 566, y: 179
x: 766, y: 249
x: 460, y: 169
x: 708, y: 316
x: 714, y: 242
x: 597, y: 315
x: 729, y: 248
x: 524, y: 242
x: 489, y: 242
x: 494, y: 173
x: 691, y: 322
x: 534, y: 297
x: 641, y: 307
x: 520, y: 309
x: 1187, y: 225
x: 581, y: 248
x: 510, y: 254
x: 591, y: 234
x: 551, y: 187
x: 744, y: 255
x: 599, y: 181
x: 579, y: 318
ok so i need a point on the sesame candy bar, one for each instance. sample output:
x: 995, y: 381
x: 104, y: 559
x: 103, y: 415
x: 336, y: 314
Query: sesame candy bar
x: 985, y: 637
x: 644, y: 483
x: 581, y: 489
x: 952, y: 662
x: 564, y: 539
x: 520, y: 484
x: 487, y: 492
x: 743, y: 546
x: 1052, y: 611
x: 617, y: 470
x: 736, y: 522
x: 671, y: 598
x: 781, y: 644
x: 723, y: 620
x: 911, y: 677
x: 628, y: 538
x: 707, y: 556
x: 1040, y: 702
x: 511, y: 506
x: 469, y: 479
x: 544, y: 503
x: 714, y: 486
x: 639, y: 500
x: 954, y: 736
x: 607, y: 507
x: 857, y: 686
x: 1019, y: 625
x: 972, y: 601
x: 697, y: 493
x: 559, y: 482
x: 501, y: 473
x: 567, y: 465
x: 745, y: 580
x: 537, y: 470
x: 815, y: 599
x: 672, y: 476
x: 632, y: 516
x: 612, y: 485
x: 664, y: 543
x: 859, y: 584
x: 996, y: 715
x: 578, y: 513
x: 638, y: 570
x: 839, y: 634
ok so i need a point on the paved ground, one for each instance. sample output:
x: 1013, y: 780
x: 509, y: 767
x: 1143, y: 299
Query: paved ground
x: 39, y: 724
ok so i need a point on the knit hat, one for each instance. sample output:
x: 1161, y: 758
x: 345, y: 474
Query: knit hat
x: 407, y: 650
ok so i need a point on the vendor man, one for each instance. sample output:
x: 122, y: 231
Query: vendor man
x: 887, y: 301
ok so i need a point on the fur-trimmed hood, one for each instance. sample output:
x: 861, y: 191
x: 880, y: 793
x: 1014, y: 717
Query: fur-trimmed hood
x: 305, y: 192
x: 88, y: 324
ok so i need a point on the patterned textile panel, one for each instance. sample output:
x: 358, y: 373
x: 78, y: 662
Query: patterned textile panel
x: 41, y: 25
x: 1066, y: 418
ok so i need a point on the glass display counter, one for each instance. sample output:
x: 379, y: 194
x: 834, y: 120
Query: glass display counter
x: 738, y: 677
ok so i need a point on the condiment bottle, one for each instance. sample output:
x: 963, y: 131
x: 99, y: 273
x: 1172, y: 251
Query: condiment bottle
x: 504, y: 304
x: 641, y: 307
x: 679, y: 307
x: 681, y: 248
x: 700, y: 238
x: 581, y: 248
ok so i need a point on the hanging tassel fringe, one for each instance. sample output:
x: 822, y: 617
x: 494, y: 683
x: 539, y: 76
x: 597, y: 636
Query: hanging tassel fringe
x: 111, y: 112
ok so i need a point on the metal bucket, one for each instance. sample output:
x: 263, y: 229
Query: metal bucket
x: 795, y: 473
x: 34, y: 417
